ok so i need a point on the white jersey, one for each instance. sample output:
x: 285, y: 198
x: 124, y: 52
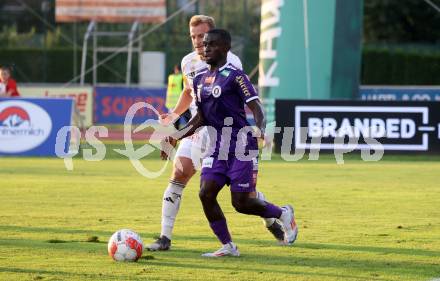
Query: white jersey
x: 192, y: 65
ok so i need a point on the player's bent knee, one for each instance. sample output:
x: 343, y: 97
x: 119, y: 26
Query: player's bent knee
x: 205, y: 195
x: 241, y: 208
x: 182, y: 176
x: 208, y: 191
x: 183, y: 170
x: 238, y: 207
x: 240, y: 204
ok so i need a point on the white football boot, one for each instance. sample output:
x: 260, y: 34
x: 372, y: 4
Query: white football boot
x: 288, y: 221
x: 229, y: 249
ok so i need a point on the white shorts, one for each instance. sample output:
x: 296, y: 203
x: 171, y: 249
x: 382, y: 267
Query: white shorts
x: 194, y: 148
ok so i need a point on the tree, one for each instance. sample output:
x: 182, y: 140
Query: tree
x: 401, y: 21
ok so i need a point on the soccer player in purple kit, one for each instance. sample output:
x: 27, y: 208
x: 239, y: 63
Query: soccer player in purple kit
x: 221, y: 93
x: 187, y: 159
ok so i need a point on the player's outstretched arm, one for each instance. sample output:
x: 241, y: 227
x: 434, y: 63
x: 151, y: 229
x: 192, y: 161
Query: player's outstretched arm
x: 260, y: 118
x: 191, y: 127
x: 182, y: 105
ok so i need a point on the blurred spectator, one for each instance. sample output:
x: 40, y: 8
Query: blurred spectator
x: 8, y: 86
x: 174, y: 89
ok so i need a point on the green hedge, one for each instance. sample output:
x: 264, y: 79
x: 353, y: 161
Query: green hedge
x: 399, y: 66
x: 56, y: 65
x: 380, y: 65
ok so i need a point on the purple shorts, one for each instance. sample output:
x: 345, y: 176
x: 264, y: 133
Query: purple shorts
x: 240, y: 175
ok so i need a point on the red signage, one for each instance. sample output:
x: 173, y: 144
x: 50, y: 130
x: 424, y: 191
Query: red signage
x: 146, y: 11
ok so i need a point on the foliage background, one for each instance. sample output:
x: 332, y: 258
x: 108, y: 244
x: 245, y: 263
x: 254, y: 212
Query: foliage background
x: 401, y: 40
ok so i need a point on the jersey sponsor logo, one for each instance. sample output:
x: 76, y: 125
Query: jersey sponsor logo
x: 216, y: 91
x: 225, y: 72
x: 208, y: 89
x: 209, y: 79
x: 240, y: 80
x: 245, y: 185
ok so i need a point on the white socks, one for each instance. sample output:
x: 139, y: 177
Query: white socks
x: 170, y: 207
x: 267, y: 221
x: 171, y: 204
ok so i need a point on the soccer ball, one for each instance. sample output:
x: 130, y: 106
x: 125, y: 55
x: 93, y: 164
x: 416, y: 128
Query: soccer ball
x: 125, y: 245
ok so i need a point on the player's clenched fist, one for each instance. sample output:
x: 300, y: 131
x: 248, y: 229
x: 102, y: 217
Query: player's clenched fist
x: 168, y: 118
x: 166, y: 147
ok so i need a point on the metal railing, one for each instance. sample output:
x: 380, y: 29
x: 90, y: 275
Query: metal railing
x: 92, y: 31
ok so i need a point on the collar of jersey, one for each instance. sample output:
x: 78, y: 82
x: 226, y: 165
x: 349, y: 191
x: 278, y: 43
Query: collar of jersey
x: 224, y: 66
x: 219, y: 69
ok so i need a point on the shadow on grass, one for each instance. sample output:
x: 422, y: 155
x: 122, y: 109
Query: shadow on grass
x: 205, y: 266
x: 359, y: 270
x: 323, y: 246
x: 66, y: 246
x: 50, y: 230
x: 271, y: 263
x: 210, y: 238
x: 284, y: 260
x: 65, y: 274
x: 210, y: 265
x: 370, y: 249
x: 275, y: 258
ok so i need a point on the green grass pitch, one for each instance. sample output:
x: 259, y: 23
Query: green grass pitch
x: 358, y: 221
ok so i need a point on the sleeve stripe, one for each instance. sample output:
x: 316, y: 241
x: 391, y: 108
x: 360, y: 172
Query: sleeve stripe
x: 251, y: 99
x: 200, y: 73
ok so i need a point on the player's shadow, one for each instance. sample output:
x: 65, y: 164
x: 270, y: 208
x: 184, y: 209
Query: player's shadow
x: 62, y: 246
x: 294, y: 264
x: 234, y: 268
x: 95, y: 276
x: 103, y: 235
x: 318, y: 246
x: 370, y: 249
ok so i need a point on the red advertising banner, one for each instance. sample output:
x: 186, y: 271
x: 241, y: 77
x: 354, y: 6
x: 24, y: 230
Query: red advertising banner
x: 146, y: 11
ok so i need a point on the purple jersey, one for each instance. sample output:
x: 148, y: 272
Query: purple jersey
x: 221, y: 95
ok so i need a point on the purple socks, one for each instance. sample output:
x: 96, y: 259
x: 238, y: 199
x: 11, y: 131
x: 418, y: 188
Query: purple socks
x: 272, y: 211
x: 220, y: 229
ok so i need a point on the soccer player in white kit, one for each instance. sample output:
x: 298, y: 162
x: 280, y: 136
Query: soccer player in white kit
x: 184, y: 161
